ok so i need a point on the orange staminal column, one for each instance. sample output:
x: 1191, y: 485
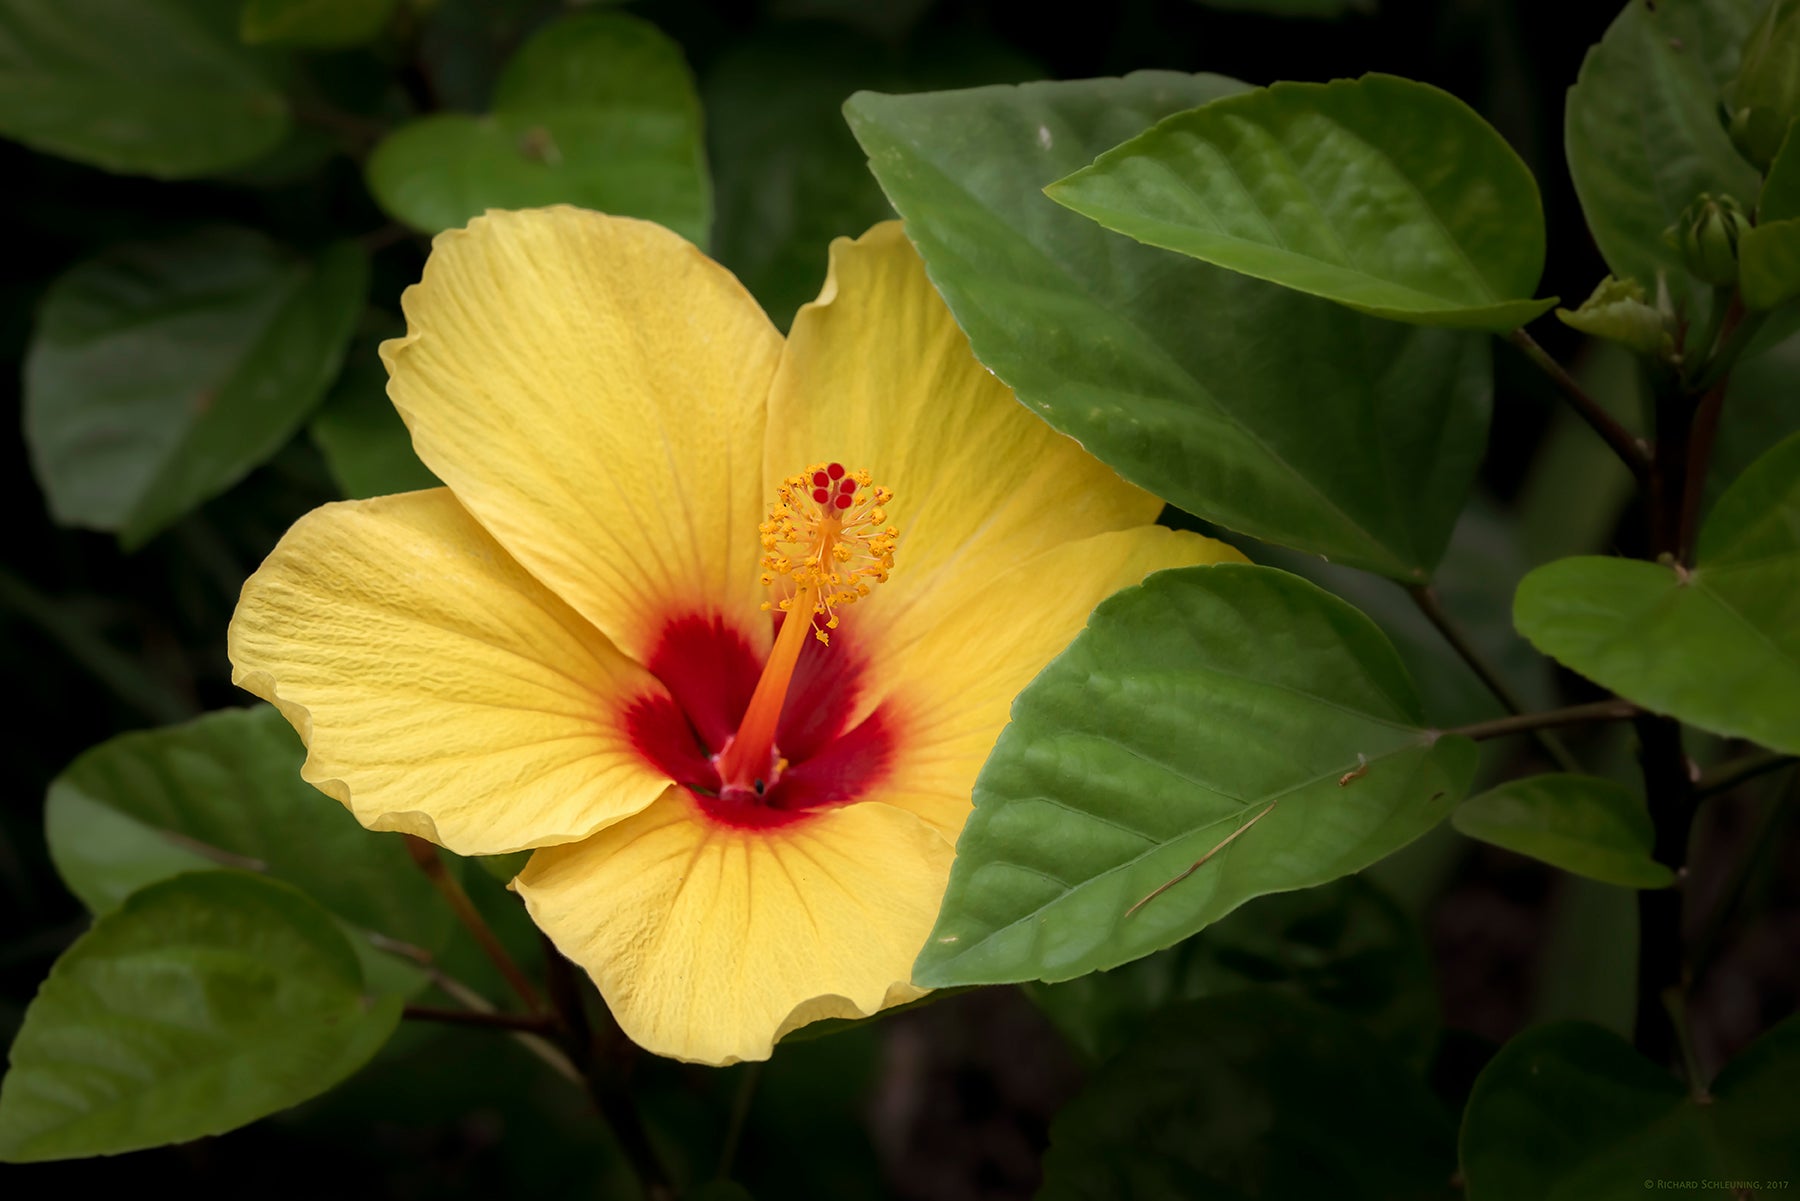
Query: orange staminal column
x: 827, y: 535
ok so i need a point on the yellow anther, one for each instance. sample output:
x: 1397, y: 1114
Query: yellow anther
x: 827, y: 533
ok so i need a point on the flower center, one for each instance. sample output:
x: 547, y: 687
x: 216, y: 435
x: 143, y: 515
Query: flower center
x: 826, y: 543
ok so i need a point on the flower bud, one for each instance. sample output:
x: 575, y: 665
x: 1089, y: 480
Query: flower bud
x: 1765, y: 97
x: 1707, y: 234
x: 1619, y: 312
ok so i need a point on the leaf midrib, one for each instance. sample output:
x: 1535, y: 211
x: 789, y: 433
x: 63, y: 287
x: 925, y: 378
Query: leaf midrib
x: 1134, y: 861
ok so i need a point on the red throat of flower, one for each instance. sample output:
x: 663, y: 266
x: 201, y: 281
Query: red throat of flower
x: 827, y: 542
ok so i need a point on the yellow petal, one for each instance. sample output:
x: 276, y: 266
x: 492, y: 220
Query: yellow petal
x: 592, y: 388
x: 441, y: 690
x: 878, y: 375
x: 949, y: 686
x: 710, y: 942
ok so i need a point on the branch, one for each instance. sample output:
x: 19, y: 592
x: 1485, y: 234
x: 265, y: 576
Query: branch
x: 380, y: 238
x: 1727, y: 776
x: 359, y: 132
x: 1661, y: 976
x: 426, y: 856
x: 740, y: 1113
x: 1426, y: 598
x: 1701, y: 436
x: 535, y: 1043
x: 604, y: 1085
x: 524, y: 1023
x: 1525, y: 723
x: 1629, y: 448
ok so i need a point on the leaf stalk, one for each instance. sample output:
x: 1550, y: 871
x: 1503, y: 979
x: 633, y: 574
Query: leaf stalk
x: 1630, y: 449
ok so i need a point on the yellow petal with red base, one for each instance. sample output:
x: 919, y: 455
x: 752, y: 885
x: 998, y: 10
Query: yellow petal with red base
x: 710, y: 941
x: 877, y: 374
x: 592, y: 388
x: 440, y: 689
x: 948, y: 687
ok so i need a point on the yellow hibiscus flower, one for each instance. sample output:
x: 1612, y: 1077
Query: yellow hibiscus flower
x: 591, y: 642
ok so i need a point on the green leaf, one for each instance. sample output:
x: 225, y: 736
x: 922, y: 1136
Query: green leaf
x: 225, y: 790
x: 1780, y: 198
x: 1717, y: 645
x: 1251, y: 1095
x: 152, y: 87
x: 788, y: 175
x: 596, y: 110
x: 1344, y: 945
x: 1761, y: 408
x: 1643, y: 135
x: 160, y: 373
x: 1620, y: 311
x: 1474, y: 583
x: 1769, y: 264
x: 1764, y: 98
x: 1233, y: 716
x: 1582, y: 824
x: 203, y: 1003
x: 1380, y: 193
x: 365, y: 444
x: 1183, y: 377
x: 1587, y: 957
x: 504, y: 867
x: 1569, y: 1112
x: 322, y: 24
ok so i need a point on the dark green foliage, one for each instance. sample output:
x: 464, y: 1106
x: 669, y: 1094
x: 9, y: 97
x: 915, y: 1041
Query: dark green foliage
x: 1255, y: 959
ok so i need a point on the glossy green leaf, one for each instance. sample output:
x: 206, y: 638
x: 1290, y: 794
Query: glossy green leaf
x: 365, y: 444
x: 159, y: 373
x: 596, y: 110
x: 1344, y: 945
x: 150, y: 87
x: 1380, y: 193
x: 204, y: 1002
x: 1769, y: 264
x: 1643, y: 135
x: 1717, y: 645
x: 323, y: 24
x: 225, y: 790
x: 1184, y: 377
x: 1582, y: 824
x: 1233, y: 716
x: 1569, y: 1112
x: 1251, y: 1095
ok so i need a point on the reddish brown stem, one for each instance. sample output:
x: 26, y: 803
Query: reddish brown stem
x: 450, y: 888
